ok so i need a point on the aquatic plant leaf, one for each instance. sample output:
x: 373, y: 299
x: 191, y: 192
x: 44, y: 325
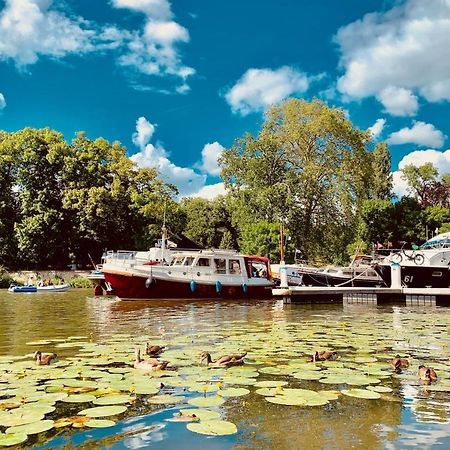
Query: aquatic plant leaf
x: 203, y: 414
x: 113, y: 400
x: 79, y: 398
x: 32, y: 428
x: 166, y: 398
x: 7, y: 440
x: 270, y: 383
x: 290, y: 401
x: 20, y: 417
x: 103, y: 411
x: 206, y: 401
x: 381, y: 389
x: 361, y: 393
x: 213, y: 427
x: 233, y: 392
x: 99, y: 423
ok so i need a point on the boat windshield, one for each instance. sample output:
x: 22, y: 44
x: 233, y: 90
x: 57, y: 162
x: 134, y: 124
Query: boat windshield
x: 439, y: 241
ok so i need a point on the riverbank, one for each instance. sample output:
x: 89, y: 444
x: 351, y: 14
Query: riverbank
x: 76, y: 278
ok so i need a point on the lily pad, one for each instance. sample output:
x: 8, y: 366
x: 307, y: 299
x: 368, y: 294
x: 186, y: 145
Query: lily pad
x: 213, y: 427
x: 103, y: 411
x: 270, y: 383
x: 206, y: 401
x: 362, y: 393
x: 7, y: 440
x: 233, y: 392
x: 32, y: 428
x: 166, y: 399
x: 100, y: 423
x: 113, y: 400
x: 79, y: 398
x: 203, y: 414
x: 381, y: 389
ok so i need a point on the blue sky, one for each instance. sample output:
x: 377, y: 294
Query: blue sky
x: 177, y: 81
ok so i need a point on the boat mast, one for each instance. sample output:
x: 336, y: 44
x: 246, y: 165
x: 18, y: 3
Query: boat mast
x: 163, y: 240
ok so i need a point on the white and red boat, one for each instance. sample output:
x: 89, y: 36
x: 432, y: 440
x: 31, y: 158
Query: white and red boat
x: 168, y: 273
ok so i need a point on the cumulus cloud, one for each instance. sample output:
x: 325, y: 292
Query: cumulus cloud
x: 441, y: 160
x: 153, y: 50
x: 211, y: 191
x: 210, y: 156
x: 377, y: 128
x: 405, y: 47
x: 2, y: 101
x: 421, y: 133
x: 398, y: 101
x: 259, y: 88
x: 188, y: 181
x: 30, y: 29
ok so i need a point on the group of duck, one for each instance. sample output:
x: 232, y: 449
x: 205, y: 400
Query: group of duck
x: 425, y: 374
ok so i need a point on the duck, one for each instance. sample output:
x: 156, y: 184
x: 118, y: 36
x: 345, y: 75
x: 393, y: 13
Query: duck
x: 224, y: 361
x: 150, y: 364
x: 400, y: 363
x: 323, y: 356
x: 44, y: 359
x: 427, y: 374
x: 153, y: 350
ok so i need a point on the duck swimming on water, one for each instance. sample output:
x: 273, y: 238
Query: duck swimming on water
x: 400, y: 363
x: 44, y: 359
x: 153, y: 350
x: 427, y: 374
x: 224, y: 361
x: 323, y: 356
x: 149, y: 365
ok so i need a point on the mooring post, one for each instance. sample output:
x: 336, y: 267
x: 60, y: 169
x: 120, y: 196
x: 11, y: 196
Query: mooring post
x: 283, y: 275
x: 396, y: 276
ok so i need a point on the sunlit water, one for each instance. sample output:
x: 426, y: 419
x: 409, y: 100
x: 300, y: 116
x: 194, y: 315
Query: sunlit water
x: 408, y: 417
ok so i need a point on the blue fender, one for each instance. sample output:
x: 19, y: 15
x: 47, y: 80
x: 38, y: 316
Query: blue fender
x: 193, y: 286
x: 244, y: 288
x: 149, y: 281
x: 218, y: 286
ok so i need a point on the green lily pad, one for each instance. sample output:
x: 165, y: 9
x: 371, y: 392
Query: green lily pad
x: 361, y: 393
x: 32, y: 428
x: 100, y: 423
x: 79, y: 398
x: 20, y: 417
x: 206, y: 401
x: 233, y: 392
x: 166, y: 398
x: 308, y: 375
x: 268, y: 392
x: 7, y: 440
x: 113, y: 400
x: 213, y: 427
x: 283, y: 400
x: 381, y: 389
x: 203, y: 414
x: 103, y: 411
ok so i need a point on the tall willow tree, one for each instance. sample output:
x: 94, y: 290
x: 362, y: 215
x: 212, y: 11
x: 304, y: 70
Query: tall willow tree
x: 309, y: 168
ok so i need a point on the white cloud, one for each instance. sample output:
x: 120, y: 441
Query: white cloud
x: 144, y: 132
x: 211, y: 191
x: 186, y: 179
x: 404, y: 47
x: 153, y: 50
x: 441, y: 160
x: 2, y: 101
x: 259, y: 88
x: 30, y: 28
x: 398, y: 101
x: 421, y: 133
x: 159, y: 9
x: 210, y: 156
x: 377, y: 128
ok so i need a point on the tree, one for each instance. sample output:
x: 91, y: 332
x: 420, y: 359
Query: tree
x: 382, y: 175
x: 308, y: 167
x: 420, y: 179
x: 376, y: 221
x: 261, y: 238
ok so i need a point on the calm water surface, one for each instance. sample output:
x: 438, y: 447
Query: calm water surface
x: 406, y: 421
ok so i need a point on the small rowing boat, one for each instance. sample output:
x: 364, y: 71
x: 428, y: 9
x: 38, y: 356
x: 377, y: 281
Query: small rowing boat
x: 27, y: 288
x: 54, y: 288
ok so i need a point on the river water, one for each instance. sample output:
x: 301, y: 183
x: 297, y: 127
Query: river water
x: 276, y: 334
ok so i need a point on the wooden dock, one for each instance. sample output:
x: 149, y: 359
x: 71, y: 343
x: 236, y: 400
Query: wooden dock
x: 364, y: 295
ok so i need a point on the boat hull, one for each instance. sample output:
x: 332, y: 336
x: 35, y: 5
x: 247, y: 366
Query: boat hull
x: 415, y: 276
x: 325, y: 279
x: 134, y: 287
x: 54, y: 288
x: 22, y: 289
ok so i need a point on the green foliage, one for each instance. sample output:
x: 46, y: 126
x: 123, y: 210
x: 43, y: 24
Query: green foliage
x: 382, y: 176
x: 358, y: 247
x: 376, y: 221
x: 444, y: 228
x: 80, y: 282
x: 5, y: 278
x: 420, y: 179
x: 308, y: 167
x: 261, y: 238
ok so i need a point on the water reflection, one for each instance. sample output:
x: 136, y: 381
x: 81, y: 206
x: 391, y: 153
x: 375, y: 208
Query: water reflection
x: 410, y: 416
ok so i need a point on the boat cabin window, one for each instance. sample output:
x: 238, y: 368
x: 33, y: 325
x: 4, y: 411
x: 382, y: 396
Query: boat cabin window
x: 234, y: 266
x: 188, y: 261
x: 258, y: 269
x: 203, y: 262
x: 221, y: 265
x: 178, y: 261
